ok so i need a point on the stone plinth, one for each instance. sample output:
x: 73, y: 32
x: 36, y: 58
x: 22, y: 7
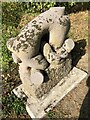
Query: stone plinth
x: 38, y: 108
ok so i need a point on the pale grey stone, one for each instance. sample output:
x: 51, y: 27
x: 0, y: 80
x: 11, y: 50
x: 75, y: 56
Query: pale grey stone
x: 66, y: 48
x: 18, y: 91
x: 15, y: 58
x: 36, y: 77
x: 27, y: 44
x: 68, y: 45
x: 37, y: 62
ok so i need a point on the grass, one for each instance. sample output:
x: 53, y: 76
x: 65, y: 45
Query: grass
x: 12, y: 106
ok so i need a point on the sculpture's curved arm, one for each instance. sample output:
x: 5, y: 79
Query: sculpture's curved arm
x: 27, y: 44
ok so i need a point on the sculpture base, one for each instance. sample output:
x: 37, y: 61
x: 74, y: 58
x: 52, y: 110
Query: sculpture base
x: 37, y: 108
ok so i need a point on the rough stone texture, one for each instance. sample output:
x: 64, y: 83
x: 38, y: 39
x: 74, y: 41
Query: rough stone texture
x: 53, y: 76
x: 26, y: 47
x: 27, y: 44
x: 37, y: 108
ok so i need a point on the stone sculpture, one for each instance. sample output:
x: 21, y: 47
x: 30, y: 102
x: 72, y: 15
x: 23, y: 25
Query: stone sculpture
x: 36, y: 56
x: 25, y: 47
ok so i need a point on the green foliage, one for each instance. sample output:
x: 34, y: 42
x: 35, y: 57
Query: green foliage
x: 51, y: 114
x: 40, y: 6
x: 7, y: 32
x: 12, y: 105
x: 11, y: 13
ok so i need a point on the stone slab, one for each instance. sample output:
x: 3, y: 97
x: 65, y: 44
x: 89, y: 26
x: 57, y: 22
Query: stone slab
x: 37, y: 108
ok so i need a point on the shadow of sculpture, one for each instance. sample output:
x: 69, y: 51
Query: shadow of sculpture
x: 77, y: 7
x: 85, y: 108
x: 78, y: 51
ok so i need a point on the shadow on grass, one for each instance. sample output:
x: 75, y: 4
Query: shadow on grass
x: 75, y: 7
x: 85, y: 108
x: 78, y: 51
x: 78, y: 7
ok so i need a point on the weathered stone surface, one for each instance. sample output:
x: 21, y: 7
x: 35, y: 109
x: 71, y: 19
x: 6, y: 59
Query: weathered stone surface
x: 38, y: 62
x: 54, y: 74
x: 19, y: 92
x: 27, y: 44
x: 68, y: 45
x: 37, y: 108
x: 36, y: 77
x: 66, y: 48
x: 26, y: 49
